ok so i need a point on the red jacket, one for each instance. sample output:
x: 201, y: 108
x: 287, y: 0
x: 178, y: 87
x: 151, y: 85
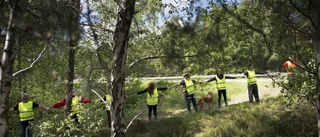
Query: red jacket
x: 63, y: 102
x: 290, y: 66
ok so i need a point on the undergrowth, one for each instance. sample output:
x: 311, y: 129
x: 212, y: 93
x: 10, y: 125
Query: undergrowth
x: 266, y: 119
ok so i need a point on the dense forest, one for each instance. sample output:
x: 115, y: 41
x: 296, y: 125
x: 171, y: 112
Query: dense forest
x: 51, y: 48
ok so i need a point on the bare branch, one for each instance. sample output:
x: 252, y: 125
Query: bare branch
x: 28, y: 68
x: 134, y: 119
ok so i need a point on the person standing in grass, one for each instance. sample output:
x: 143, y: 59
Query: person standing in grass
x: 107, y: 99
x: 252, y: 84
x: 220, y: 80
x: 76, y: 102
x: 189, y: 89
x: 26, y: 114
x: 152, y: 98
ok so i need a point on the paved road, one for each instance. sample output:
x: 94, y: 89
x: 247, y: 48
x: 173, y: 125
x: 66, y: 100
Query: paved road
x: 240, y: 77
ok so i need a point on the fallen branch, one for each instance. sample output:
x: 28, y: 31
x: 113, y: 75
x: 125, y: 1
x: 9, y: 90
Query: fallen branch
x: 99, y: 96
x: 134, y: 119
x: 25, y: 69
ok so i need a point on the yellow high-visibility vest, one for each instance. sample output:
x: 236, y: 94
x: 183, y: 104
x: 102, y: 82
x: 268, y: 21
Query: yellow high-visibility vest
x: 152, y: 99
x: 221, y: 83
x: 26, y: 111
x: 108, y: 100
x: 251, y: 77
x: 189, y: 86
x: 75, y: 105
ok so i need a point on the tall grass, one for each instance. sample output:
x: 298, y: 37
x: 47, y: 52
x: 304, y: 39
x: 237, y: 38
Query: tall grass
x: 271, y: 117
x: 266, y: 119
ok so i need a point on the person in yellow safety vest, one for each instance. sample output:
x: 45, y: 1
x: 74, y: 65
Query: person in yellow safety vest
x: 107, y: 99
x: 26, y: 114
x: 75, y: 105
x: 188, y: 91
x: 252, y: 84
x: 220, y: 79
x: 152, y: 98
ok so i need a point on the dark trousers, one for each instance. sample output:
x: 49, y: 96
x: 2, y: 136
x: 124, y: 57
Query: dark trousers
x: 154, y: 109
x: 224, y: 93
x: 253, y: 92
x: 109, y: 118
x: 26, y: 126
x: 190, y: 98
x: 290, y: 79
x: 76, y: 119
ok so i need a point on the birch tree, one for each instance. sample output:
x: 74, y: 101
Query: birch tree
x: 8, y: 58
x: 118, y: 72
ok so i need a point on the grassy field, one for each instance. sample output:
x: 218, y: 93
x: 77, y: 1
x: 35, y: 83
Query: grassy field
x: 274, y: 116
x: 270, y: 118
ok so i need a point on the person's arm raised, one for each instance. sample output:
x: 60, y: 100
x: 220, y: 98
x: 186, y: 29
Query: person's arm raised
x: 44, y: 107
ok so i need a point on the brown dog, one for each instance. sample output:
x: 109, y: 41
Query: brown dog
x: 206, y: 100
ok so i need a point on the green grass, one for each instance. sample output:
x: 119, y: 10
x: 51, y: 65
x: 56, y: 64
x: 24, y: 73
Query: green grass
x: 269, y: 118
x: 272, y: 117
x: 248, y: 120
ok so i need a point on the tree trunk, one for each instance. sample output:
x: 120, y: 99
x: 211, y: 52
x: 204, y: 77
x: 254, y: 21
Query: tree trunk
x: 315, y: 15
x: 8, y: 57
x: 73, y: 34
x: 118, y: 72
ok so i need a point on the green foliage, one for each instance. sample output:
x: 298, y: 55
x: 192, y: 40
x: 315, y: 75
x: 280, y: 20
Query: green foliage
x: 92, y: 120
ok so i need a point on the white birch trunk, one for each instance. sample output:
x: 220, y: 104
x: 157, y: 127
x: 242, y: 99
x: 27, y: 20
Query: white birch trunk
x: 118, y: 72
x: 8, y: 57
